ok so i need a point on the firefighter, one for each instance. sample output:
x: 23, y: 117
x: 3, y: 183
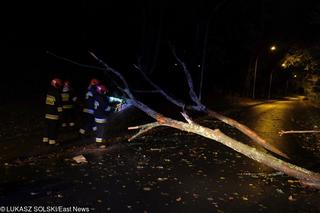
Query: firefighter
x: 53, y: 111
x: 103, y: 107
x: 88, y: 110
x: 68, y: 104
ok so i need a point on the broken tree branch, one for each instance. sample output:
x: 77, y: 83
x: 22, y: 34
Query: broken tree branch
x: 74, y: 62
x: 282, y: 132
x: 126, y: 89
x: 143, y: 128
x: 186, y: 117
x: 187, y: 74
x: 305, y: 176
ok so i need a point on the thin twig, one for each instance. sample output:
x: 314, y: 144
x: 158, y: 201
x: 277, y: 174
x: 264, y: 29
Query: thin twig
x: 186, y: 116
x: 145, y: 91
x: 74, y: 62
x: 143, y: 128
x: 82, y: 65
x: 187, y: 74
x: 282, y: 132
x: 126, y: 90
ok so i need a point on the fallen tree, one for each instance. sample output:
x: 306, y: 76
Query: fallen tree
x: 305, y: 176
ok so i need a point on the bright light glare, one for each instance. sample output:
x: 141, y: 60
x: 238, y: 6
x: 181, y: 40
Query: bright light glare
x: 273, y: 48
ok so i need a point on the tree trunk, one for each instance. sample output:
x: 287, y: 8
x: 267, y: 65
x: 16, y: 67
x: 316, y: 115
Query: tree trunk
x: 244, y: 129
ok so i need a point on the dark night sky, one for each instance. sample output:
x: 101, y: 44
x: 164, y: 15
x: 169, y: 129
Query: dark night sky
x: 120, y: 31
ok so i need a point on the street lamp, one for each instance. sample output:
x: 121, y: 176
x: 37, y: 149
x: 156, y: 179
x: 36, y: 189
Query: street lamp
x: 272, y: 48
x: 270, y: 83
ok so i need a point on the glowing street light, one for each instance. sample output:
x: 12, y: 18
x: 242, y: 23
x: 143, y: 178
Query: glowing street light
x: 283, y: 65
x: 273, y: 48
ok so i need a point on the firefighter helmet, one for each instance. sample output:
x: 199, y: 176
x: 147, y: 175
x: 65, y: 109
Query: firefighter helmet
x: 66, y: 83
x: 102, y: 89
x: 56, y: 83
x: 94, y: 82
x: 66, y: 86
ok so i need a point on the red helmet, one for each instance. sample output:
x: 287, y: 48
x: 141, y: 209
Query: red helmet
x: 56, y: 83
x: 66, y: 83
x: 66, y: 86
x: 94, y: 82
x: 102, y: 89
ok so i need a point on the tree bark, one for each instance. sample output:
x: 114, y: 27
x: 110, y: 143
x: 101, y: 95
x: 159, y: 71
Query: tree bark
x: 244, y: 129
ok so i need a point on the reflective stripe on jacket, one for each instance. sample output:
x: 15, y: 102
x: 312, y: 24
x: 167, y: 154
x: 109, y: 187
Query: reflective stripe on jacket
x: 100, y: 120
x: 52, y: 117
x: 90, y: 111
x: 67, y: 106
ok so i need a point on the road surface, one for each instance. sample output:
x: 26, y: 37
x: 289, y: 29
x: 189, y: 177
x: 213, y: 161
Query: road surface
x: 165, y: 170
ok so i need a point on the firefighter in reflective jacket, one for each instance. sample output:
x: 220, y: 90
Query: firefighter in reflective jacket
x: 68, y: 101
x: 53, y: 111
x: 103, y: 106
x: 88, y: 124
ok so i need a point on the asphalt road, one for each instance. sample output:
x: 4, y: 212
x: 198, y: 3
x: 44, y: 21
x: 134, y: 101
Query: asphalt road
x: 166, y: 170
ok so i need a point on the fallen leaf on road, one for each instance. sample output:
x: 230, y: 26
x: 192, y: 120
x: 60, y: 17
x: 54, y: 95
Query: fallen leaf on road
x: 279, y: 191
x: 293, y: 181
x: 291, y: 198
x: 146, y: 189
x: 244, y: 198
x: 162, y: 179
x: 80, y: 159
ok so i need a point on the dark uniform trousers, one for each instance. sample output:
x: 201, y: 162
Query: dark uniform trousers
x: 51, y: 130
x: 103, y: 106
x: 88, y: 124
x: 87, y: 121
x: 101, y: 129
